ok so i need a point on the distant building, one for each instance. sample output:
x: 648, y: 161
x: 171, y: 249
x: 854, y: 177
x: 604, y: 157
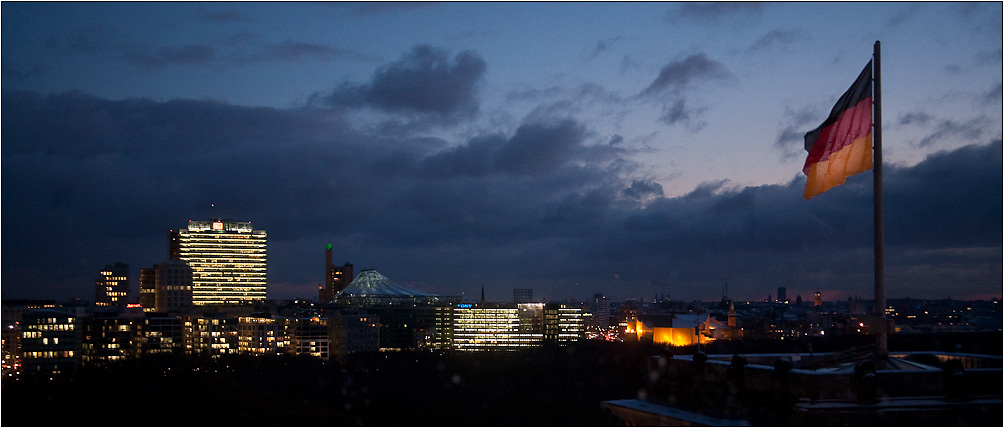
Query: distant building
x: 601, y: 311
x: 469, y: 327
x: 675, y: 330
x: 212, y: 334
x: 308, y: 336
x: 407, y: 315
x: 174, y: 283
x: 352, y: 331
x: 818, y: 299
x: 522, y: 295
x: 148, y: 289
x: 336, y: 278
x: 108, y: 336
x: 228, y: 260
x: 112, y: 286
x: 49, y: 342
x: 782, y: 295
x: 159, y: 333
x: 262, y: 334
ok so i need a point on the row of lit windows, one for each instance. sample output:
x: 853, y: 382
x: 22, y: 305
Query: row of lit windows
x: 48, y: 354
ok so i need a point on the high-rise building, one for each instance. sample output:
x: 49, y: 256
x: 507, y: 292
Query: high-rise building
x: 173, y: 286
x: 112, y: 286
x: 228, y: 260
x: 148, y: 289
x: 782, y: 295
x: 522, y: 295
x: 336, y: 278
x: 601, y: 311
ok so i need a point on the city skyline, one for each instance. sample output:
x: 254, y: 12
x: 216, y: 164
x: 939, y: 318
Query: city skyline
x: 568, y: 148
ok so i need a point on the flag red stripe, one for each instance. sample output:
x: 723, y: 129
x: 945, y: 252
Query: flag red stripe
x: 854, y: 123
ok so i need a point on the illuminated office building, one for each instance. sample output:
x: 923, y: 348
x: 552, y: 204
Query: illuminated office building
x: 211, y: 334
x: 262, y: 334
x: 112, y: 286
x: 228, y: 260
x: 49, y: 342
x: 308, y: 336
x: 469, y: 327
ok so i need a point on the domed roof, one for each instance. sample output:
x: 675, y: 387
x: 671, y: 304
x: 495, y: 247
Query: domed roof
x: 369, y: 282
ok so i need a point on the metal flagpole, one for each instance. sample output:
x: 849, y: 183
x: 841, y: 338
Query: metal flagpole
x: 881, y: 333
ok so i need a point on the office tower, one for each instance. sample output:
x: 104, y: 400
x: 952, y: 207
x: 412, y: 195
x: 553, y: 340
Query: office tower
x: 147, y: 289
x: 228, y: 260
x: 522, y: 295
x: 112, y: 285
x: 782, y: 295
x: 817, y: 299
x: 601, y: 311
x: 336, y: 278
x: 173, y: 286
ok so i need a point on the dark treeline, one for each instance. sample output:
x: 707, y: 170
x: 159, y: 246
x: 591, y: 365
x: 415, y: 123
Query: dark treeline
x: 552, y: 386
x: 561, y: 386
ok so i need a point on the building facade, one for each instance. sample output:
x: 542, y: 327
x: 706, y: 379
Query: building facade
x: 49, y: 342
x: 112, y: 286
x: 174, y: 283
x: 494, y: 327
x: 228, y: 260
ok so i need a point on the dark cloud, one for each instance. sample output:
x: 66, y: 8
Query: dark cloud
x: 677, y: 75
x: 164, y: 56
x: 424, y: 81
x: 714, y: 11
x: 298, y: 51
x: 222, y: 16
x: 387, y: 7
x: 87, y: 182
x: 776, y: 39
x: 670, y: 86
x: 644, y: 189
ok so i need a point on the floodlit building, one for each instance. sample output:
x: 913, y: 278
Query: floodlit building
x: 228, y: 260
x: 676, y: 330
x: 112, y: 286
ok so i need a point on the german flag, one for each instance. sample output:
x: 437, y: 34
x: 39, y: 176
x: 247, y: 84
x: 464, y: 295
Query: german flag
x: 842, y: 145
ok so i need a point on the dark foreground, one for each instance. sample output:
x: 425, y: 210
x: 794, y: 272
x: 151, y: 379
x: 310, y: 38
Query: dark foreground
x: 542, y: 387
